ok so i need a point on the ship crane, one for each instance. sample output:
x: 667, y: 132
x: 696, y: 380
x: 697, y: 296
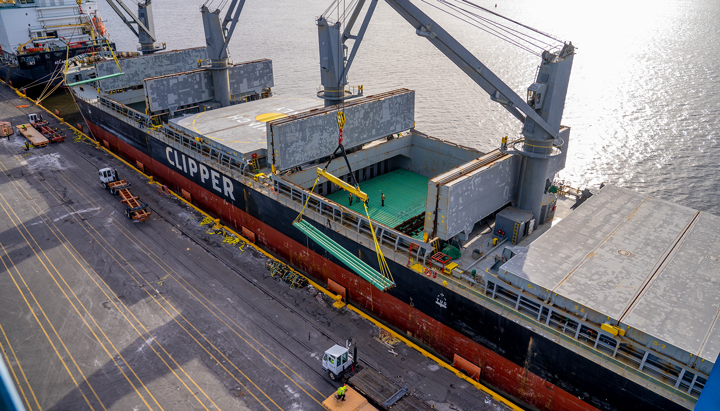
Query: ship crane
x: 540, y: 113
x: 217, y: 36
x: 145, y: 25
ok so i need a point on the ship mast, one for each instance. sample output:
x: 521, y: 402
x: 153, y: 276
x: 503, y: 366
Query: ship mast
x: 145, y: 24
x: 217, y: 36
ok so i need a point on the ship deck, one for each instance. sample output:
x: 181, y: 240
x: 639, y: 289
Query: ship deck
x: 405, y: 197
x: 241, y: 127
x: 649, y: 264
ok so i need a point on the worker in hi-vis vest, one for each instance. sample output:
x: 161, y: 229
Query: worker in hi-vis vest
x: 341, y: 393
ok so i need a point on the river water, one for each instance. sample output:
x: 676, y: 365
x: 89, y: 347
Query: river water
x: 643, y: 102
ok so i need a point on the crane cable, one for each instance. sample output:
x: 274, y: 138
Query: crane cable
x: 528, y: 42
x: 382, y: 263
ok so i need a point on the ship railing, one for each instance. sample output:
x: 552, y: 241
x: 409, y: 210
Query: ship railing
x: 127, y: 114
x: 233, y: 166
x: 649, y: 365
x: 229, y: 164
x: 663, y: 370
x: 336, y: 214
x: 54, y: 3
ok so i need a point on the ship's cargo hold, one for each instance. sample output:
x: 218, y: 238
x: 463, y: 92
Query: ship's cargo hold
x: 528, y: 339
x: 451, y: 252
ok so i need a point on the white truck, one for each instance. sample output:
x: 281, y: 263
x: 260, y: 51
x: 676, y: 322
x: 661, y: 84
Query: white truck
x: 109, y: 180
x: 337, y: 361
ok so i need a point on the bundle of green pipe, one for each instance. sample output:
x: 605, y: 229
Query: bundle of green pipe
x: 360, y: 267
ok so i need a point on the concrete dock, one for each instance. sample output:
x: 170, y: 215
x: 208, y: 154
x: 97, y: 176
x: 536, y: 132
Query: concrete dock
x: 101, y: 313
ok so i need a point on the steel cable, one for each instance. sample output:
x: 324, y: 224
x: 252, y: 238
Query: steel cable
x: 489, y: 31
x: 517, y: 37
x: 513, y: 21
x: 510, y: 31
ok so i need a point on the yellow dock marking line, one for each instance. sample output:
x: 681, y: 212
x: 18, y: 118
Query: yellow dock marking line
x: 175, y: 277
x: 154, y: 298
x: 120, y: 311
x: 155, y: 259
x: 34, y: 206
x: 442, y: 363
x: 17, y: 380
x: 169, y: 314
x: 73, y: 304
x: 144, y: 247
x: 42, y: 327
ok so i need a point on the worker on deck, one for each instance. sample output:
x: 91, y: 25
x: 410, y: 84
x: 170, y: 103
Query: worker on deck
x: 382, y: 199
x: 341, y: 393
x: 27, y: 145
x: 350, y: 197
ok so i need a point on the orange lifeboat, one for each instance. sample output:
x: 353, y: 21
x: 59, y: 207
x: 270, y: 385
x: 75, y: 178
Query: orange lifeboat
x: 99, y: 26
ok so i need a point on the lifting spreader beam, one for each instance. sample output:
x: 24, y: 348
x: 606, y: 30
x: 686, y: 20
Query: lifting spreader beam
x: 345, y: 186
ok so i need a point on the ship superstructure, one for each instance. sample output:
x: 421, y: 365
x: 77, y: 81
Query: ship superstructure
x: 560, y: 318
x: 37, y: 36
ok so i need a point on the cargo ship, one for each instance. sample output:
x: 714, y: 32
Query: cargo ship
x: 612, y: 308
x: 38, y: 36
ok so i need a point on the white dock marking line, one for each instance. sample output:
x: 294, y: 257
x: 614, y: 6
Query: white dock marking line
x: 77, y: 212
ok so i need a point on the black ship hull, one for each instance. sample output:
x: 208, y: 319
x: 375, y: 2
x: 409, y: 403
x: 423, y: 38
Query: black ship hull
x: 41, y: 67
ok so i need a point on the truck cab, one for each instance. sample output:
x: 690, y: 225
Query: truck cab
x: 107, y: 175
x: 36, y: 119
x: 336, y: 361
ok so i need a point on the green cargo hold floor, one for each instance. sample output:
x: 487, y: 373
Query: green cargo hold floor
x: 405, y: 197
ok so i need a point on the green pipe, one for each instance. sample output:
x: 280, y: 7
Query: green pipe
x: 95, y: 79
x: 354, y: 263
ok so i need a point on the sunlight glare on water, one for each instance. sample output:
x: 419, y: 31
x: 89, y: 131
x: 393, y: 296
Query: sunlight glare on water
x: 643, y: 102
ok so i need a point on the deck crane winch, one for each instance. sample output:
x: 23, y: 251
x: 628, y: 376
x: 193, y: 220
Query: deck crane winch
x: 540, y: 113
x: 145, y: 24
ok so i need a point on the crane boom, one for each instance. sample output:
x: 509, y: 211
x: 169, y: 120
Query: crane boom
x: 467, y: 62
x: 540, y: 114
x: 144, y: 20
